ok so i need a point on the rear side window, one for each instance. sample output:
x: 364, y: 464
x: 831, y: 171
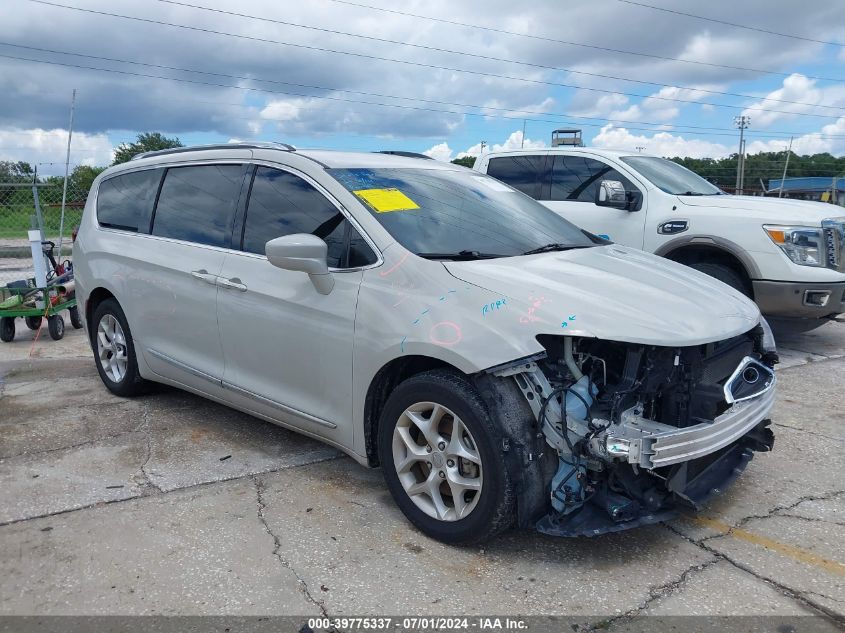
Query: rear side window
x: 520, y: 172
x: 578, y: 177
x: 126, y: 201
x: 197, y: 203
x: 281, y: 203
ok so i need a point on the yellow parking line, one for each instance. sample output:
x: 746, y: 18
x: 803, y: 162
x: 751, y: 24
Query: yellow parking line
x: 795, y: 553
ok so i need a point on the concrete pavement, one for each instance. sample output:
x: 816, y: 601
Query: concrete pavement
x: 169, y: 504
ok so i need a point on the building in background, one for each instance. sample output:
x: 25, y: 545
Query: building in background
x: 818, y: 188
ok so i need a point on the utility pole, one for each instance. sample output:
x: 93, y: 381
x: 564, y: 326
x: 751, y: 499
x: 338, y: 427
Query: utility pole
x: 742, y: 122
x: 67, y: 167
x: 483, y: 145
x: 522, y: 143
x: 785, y: 165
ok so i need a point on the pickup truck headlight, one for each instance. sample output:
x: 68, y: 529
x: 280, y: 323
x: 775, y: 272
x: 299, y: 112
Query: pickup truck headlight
x: 804, y: 245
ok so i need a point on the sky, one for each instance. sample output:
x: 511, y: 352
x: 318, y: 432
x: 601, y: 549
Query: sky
x: 433, y: 76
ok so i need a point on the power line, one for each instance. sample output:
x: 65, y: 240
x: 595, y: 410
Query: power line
x: 734, y: 24
x: 569, y: 43
x: 658, y: 125
x: 488, y: 57
x: 420, y: 64
x: 341, y: 99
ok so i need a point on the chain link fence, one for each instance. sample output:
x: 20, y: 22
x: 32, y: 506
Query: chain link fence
x: 25, y: 206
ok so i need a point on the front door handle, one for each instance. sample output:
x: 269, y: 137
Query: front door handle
x: 234, y: 283
x: 203, y: 275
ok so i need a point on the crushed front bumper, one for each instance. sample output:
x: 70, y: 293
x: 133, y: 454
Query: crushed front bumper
x: 689, y: 486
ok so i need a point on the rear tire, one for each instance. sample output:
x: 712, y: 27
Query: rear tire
x: 33, y: 323
x: 7, y: 329
x: 724, y: 274
x: 56, y: 326
x: 75, y: 319
x: 442, y: 411
x: 114, y: 351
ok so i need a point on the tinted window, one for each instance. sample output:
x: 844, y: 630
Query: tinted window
x: 577, y: 177
x: 126, y: 201
x: 520, y: 172
x: 281, y: 203
x: 197, y: 204
x: 459, y: 212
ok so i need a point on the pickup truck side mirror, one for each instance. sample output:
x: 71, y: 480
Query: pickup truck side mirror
x: 611, y: 193
x: 302, y: 252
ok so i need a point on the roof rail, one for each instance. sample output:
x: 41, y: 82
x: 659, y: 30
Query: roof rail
x: 199, y: 148
x: 397, y: 152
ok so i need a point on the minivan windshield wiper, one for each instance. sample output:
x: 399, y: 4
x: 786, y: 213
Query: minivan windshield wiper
x: 693, y: 193
x: 555, y: 247
x: 460, y: 255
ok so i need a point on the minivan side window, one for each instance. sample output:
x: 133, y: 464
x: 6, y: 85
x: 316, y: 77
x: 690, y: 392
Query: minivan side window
x: 197, y: 203
x: 578, y: 177
x: 126, y: 201
x: 520, y: 172
x: 281, y: 203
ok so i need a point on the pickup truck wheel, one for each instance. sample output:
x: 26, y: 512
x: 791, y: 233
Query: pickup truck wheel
x: 724, y: 274
x: 440, y: 452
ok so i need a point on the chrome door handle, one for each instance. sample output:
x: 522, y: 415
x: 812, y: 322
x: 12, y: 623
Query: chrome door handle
x: 234, y: 283
x: 203, y: 275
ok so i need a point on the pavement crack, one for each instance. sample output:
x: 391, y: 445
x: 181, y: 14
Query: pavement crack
x: 148, y: 434
x: 816, y: 433
x: 47, y: 451
x: 659, y: 592
x: 802, y: 597
x: 277, y: 546
x: 780, y: 509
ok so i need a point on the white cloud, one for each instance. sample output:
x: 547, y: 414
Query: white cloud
x: 514, y: 141
x: 796, y: 88
x: 43, y: 147
x: 661, y: 143
x: 441, y: 151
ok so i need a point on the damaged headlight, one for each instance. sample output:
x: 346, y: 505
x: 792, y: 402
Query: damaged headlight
x: 804, y: 245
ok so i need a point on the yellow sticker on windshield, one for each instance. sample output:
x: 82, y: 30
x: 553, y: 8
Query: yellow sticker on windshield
x: 386, y: 200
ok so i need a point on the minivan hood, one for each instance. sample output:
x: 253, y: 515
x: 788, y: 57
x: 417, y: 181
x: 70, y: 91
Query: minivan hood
x: 613, y: 293
x: 780, y: 210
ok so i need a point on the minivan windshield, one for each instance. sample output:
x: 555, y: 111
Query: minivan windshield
x: 670, y: 177
x: 451, y: 214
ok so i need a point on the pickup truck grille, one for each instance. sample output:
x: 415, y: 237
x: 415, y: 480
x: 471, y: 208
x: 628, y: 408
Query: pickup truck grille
x: 834, y: 238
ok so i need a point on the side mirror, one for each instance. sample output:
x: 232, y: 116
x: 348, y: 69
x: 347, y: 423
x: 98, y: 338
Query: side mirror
x: 305, y: 253
x: 611, y: 193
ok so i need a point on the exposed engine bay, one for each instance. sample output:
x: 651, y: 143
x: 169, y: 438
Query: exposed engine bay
x: 634, y: 434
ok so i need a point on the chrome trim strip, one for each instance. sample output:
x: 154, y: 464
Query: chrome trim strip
x: 279, y: 405
x: 184, y: 367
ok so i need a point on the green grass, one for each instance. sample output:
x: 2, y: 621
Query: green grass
x: 15, y: 220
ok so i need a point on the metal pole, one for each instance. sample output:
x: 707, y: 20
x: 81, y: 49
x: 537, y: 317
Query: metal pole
x: 785, y: 165
x: 67, y: 167
x: 522, y: 144
x: 741, y: 122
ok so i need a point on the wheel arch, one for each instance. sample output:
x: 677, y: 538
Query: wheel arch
x: 385, y: 380
x: 95, y: 298
x: 692, y: 250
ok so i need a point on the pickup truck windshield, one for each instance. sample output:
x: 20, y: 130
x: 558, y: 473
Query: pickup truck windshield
x: 448, y: 214
x: 671, y: 177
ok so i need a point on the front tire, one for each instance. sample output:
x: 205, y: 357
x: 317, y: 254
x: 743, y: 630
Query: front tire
x: 114, y: 351
x: 441, y: 456
x: 724, y: 274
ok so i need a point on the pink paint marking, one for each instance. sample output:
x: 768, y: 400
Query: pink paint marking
x: 393, y: 268
x: 442, y: 340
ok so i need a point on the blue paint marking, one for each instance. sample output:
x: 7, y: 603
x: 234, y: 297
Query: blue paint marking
x: 566, y: 323
x: 498, y: 304
x: 451, y: 291
x: 402, y: 344
x: 417, y: 322
x: 443, y: 298
x: 424, y: 311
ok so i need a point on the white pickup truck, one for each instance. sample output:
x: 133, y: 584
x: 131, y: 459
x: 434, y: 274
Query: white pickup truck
x: 788, y: 255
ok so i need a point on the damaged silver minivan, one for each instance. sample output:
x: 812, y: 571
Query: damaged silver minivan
x: 502, y: 366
